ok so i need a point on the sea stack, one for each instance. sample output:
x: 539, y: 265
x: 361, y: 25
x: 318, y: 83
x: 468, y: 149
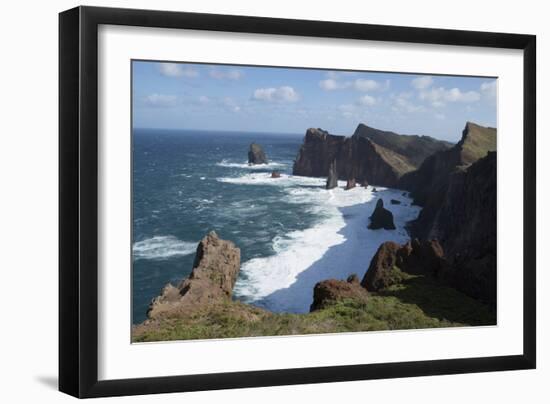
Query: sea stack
x: 332, y: 178
x: 381, y: 218
x: 256, y: 154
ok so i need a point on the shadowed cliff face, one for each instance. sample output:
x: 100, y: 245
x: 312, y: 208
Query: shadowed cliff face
x: 370, y: 155
x: 429, y: 184
x: 457, y: 189
x: 466, y: 225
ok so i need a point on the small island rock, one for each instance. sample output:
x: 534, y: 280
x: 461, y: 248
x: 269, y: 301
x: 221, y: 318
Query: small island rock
x: 256, y: 154
x: 275, y: 174
x: 381, y: 218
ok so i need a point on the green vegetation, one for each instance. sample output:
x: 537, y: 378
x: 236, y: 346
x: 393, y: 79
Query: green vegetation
x: 416, y: 302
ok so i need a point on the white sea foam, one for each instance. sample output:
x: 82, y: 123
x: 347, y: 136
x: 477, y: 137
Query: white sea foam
x: 272, y: 164
x: 339, y: 245
x: 162, y: 247
x: 284, y: 180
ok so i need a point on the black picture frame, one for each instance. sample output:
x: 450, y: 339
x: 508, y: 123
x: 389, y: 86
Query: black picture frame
x: 78, y: 201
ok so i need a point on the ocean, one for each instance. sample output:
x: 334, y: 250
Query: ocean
x: 291, y: 231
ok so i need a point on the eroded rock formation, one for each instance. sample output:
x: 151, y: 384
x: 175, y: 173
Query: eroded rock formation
x: 256, y: 154
x: 381, y: 218
x: 332, y: 177
x: 370, y: 155
x: 414, y: 257
x: 215, y: 269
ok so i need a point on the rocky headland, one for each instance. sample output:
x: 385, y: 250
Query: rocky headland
x: 457, y: 191
x: 368, y: 156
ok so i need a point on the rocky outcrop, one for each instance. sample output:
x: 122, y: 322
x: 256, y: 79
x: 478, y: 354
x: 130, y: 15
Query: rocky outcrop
x: 350, y: 184
x: 395, y: 202
x: 414, y: 257
x: 211, y: 281
x: 332, y: 177
x: 331, y: 290
x: 371, y: 156
x: 256, y: 154
x: 381, y: 218
x: 275, y: 174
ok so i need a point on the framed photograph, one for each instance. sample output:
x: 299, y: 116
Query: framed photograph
x: 251, y: 201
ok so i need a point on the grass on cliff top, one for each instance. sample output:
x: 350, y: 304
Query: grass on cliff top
x: 415, y: 303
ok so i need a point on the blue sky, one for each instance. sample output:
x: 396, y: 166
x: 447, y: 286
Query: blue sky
x: 289, y: 100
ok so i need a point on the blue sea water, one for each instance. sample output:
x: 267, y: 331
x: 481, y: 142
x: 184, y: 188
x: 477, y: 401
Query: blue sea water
x: 291, y: 231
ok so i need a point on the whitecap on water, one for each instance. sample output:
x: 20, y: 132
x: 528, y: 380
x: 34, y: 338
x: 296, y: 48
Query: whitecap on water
x: 162, y: 247
x: 229, y: 164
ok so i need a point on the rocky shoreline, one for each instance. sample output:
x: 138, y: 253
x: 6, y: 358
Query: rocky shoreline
x: 444, y: 276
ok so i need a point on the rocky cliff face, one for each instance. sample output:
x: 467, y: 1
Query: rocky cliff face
x: 369, y: 156
x: 457, y: 189
x: 415, y: 148
x: 215, y: 270
x: 466, y: 225
x: 430, y: 180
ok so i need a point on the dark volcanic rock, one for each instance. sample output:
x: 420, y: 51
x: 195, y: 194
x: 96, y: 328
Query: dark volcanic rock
x: 332, y: 290
x: 381, y: 218
x: 256, y: 154
x: 457, y: 189
x: 350, y: 184
x: 414, y: 257
x: 415, y: 148
x: 275, y: 174
x: 467, y: 225
x: 362, y: 157
x: 429, y: 184
x: 332, y: 177
x: 212, y: 279
x: 395, y: 202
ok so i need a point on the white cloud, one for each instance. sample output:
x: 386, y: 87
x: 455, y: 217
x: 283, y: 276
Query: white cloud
x: 203, y: 99
x: 228, y: 74
x: 332, y: 84
x: 489, y: 89
x: 438, y: 96
x: 402, y: 102
x: 422, y: 82
x: 272, y: 94
x: 160, y: 100
x: 177, y: 70
x: 440, y: 117
x: 366, y: 85
x: 367, y: 100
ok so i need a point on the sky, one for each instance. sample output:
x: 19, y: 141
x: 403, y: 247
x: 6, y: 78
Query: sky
x: 290, y: 100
